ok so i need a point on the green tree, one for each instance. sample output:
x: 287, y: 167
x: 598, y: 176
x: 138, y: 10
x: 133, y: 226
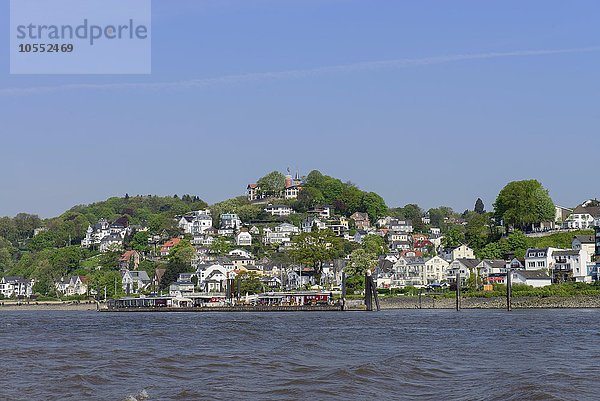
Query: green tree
x: 360, y: 262
x: 139, y: 241
x: 374, y: 205
x: 477, y: 231
x: 249, y: 283
x: 315, y: 248
x: 183, y: 252
x: 521, y: 204
x: 454, y: 237
x: 479, y: 206
x: 374, y: 244
x: 220, y: 246
x: 272, y: 184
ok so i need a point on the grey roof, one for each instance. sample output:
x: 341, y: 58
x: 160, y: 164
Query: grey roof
x: 567, y: 252
x: 470, y: 263
x: 533, y: 274
x: 495, y: 263
x: 585, y: 239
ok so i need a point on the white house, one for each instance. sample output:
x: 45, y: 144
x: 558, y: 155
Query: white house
x: 464, y: 267
x: 570, y: 265
x: 582, y: 217
x: 587, y: 243
x: 97, y: 234
x: 75, y: 285
x: 435, y: 270
x: 310, y: 222
x: 16, y: 287
x: 196, y: 223
x: 243, y: 238
x: 134, y: 281
x: 492, y: 268
x: 287, y: 228
x: 539, y: 258
x: 213, y: 278
x: 279, y: 210
x: 230, y: 221
x: 534, y: 278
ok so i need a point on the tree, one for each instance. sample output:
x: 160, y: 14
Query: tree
x: 521, y: 204
x: 272, y: 184
x: 479, y: 206
x: 220, y: 246
x: 374, y: 205
x: 315, y: 248
x: 477, y: 231
x: 360, y: 262
x: 183, y: 253
x: 139, y: 241
x: 249, y: 283
x: 454, y: 237
x: 374, y: 244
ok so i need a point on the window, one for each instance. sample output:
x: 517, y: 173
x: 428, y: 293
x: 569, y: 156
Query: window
x: 541, y: 264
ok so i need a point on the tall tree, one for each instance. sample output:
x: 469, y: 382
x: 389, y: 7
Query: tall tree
x: 479, y: 206
x: 315, y: 248
x: 360, y: 262
x: 272, y: 184
x: 521, y: 204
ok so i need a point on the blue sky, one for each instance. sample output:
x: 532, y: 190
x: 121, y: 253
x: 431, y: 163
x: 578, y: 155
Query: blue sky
x: 492, y: 92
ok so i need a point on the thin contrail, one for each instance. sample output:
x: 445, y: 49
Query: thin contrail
x: 294, y: 74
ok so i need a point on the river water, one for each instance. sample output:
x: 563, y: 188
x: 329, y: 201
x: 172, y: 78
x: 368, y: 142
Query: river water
x: 388, y: 355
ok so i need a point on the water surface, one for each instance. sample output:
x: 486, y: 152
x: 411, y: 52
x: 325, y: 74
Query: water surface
x: 389, y: 355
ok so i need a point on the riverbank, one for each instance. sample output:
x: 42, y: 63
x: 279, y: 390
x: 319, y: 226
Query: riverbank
x: 426, y: 302
x: 47, y: 306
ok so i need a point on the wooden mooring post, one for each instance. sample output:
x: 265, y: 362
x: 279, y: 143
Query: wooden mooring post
x: 370, y: 292
x: 457, y: 291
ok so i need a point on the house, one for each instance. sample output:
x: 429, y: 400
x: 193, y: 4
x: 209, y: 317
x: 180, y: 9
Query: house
x: 129, y: 260
x: 134, y: 281
x: 312, y: 222
x: 400, y: 225
x: 166, y: 248
x: 212, y: 278
x: 492, y: 270
x: 243, y: 238
x: 582, y: 217
x: 230, y: 221
x: 534, y: 278
x: 400, y: 245
x: 241, y: 252
x: 16, y: 286
x: 464, y: 267
x: 181, y: 288
x: 570, y: 265
x: 271, y: 282
x: 299, y: 277
x: 408, y: 272
x: 196, y: 223
x: 435, y: 270
x: 394, y: 236
x: 76, y: 285
x: 323, y: 212
x: 279, y: 210
x: 586, y: 242
x: 435, y: 231
x: 459, y: 252
x: 361, y: 220
x: 111, y: 242
x: 253, y: 192
x: 293, y: 186
x: 270, y: 237
x: 287, y: 228
x: 157, y: 278
x: 254, y: 230
x: 95, y: 234
x: 339, y: 226
x: 539, y: 258
x: 561, y: 214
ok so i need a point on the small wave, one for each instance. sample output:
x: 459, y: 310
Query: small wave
x: 142, y: 395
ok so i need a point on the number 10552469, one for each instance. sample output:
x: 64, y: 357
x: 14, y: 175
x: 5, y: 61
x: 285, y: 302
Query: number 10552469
x: 45, y: 48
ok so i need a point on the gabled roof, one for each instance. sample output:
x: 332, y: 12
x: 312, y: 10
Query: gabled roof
x: 585, y: 239
x: 470, y: 263
x: 591, y: 210
x: 533, y: 274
